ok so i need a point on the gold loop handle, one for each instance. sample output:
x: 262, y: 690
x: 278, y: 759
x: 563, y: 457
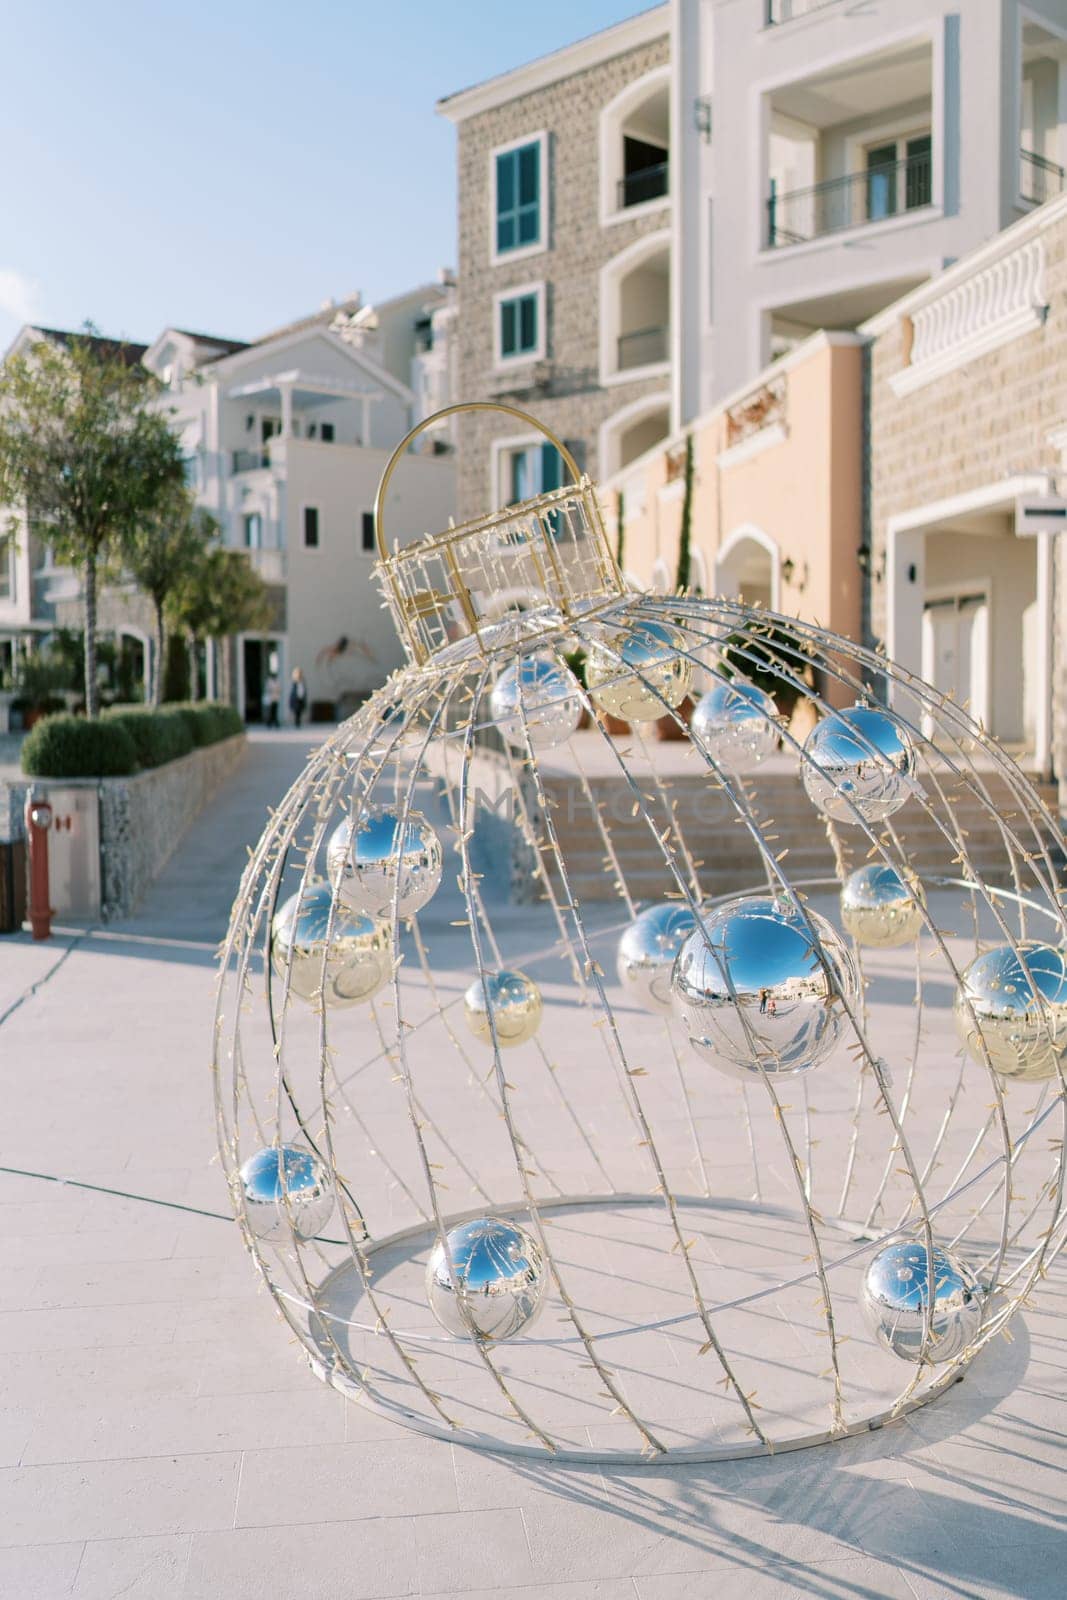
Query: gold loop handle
x: 451, y: 411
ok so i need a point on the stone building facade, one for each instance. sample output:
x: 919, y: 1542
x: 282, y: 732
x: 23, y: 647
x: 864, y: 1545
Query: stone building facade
x: 565, y: 309
x: 967, y: 430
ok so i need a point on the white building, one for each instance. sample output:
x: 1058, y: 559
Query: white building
x: 285, y: 440
x: 831, y: 155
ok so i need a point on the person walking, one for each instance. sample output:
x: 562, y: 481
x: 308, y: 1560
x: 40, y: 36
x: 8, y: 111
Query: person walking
x: 298, y: 696
x: 272, y: 695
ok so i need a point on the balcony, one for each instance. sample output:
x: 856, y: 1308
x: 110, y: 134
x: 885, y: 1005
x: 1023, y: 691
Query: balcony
x: 886, y: 189
x: 644, y: 347
x: 269, y: 563
x: 1039, y: 178
x: 250, y: 460
x: 647, y: 183
x: 779, y: 11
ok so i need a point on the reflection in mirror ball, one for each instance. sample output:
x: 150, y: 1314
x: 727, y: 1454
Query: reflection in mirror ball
x: 759, y: 986
x: 383, y: 862
x: 285, y: 1190
x: 360, y: 950
x: 537, y: 699
x: 501, y: 1276
x: 902, y: 1281
x: 647, y: 952
x: 736, y: 724
x: 858, y: 765
x: 1013, y: 1007
x: 640, y: 674
x: 514, y: 1001
x: 881, y: 907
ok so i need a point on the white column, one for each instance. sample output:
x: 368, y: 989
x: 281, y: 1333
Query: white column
x: 209, y: 669
x: 905, y: 592
x: 1043, y: 688
x: 286, y: 391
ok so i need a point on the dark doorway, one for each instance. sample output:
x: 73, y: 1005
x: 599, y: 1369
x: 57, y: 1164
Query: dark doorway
x: 260, y: 660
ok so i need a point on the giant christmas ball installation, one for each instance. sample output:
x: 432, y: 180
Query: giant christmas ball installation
x: 636, y: 1081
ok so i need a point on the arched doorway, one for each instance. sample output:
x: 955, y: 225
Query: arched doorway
x: 747, y: 568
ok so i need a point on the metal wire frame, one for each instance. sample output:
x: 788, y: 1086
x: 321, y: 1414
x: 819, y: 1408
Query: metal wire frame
x: 334, y: 783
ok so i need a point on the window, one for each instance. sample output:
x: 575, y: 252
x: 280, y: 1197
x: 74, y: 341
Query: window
x: 518, y: 326
x: 6, y: 552
x: 534, y: 469
x: 191, y: 471
x: 519, y: 331
x: 326, y: 433
x: 253, y: 530
x: 518, y: 181
x: 311, y: 527
x: 899, y: 176
x: 366, y: 533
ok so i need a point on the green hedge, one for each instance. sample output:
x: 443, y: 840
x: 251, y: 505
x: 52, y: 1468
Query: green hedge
x: 126, y: 739
x: 158, y: 736
x: 70, y: 747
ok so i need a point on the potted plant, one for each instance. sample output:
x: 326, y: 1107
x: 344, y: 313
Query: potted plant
x: 39, y: 682
x: 575, y: 659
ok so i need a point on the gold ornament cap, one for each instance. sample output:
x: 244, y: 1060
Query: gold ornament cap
x: 502, y: 579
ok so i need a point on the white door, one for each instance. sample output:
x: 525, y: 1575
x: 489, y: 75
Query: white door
x: 955, y: 650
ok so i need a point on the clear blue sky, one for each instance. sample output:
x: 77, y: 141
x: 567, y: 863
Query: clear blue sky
x: 226, y: 165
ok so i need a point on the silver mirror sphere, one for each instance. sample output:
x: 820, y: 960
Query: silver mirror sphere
x: 638, y: 675
x: 499, y: 1275
x: 514, y: 1001
x: 1014, y: 1007
x: 881, y: 907
x: 757, y: 989
x: 647, y: 952
x: 383, y: 860
x: 736, y: 723
x: 536, y: 698
x: 286, y: 1190
x: 901, y: 1281
x: 858, y: 765
x: 348, y: 968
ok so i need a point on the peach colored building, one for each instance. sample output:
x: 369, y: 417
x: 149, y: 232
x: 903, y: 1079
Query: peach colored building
x: 777, y: 497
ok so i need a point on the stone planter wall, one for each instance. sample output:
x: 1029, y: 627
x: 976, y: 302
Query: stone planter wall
x: 141, y: 820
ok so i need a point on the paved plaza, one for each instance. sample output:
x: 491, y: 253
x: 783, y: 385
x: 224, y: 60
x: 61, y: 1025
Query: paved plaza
x: 161, y: 1435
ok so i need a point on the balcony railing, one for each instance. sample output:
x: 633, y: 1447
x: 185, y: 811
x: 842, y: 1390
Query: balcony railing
x: 650, y: 183
x: 888, y: 189
x: 789, y: 10
x: 1039, y: 178
x: 270, y: 563
x: 642, y: 348
x: 250, y: 460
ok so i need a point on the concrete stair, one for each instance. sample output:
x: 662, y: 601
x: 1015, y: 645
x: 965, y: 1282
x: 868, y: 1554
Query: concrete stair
x: 723, y: 845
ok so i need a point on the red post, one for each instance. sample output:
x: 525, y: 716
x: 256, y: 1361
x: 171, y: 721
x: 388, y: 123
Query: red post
x: 38, y: 822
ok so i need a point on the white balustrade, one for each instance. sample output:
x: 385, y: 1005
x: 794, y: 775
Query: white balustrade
x: 996, y: 304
